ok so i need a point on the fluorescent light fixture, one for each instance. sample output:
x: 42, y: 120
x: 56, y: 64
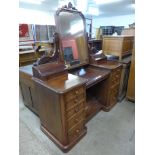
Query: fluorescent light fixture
x: 32, y: 1
x: 106, y: 1
x: 93, y: 11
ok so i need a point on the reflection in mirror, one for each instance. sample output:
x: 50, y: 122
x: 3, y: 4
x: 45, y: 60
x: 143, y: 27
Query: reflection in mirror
x: 71, y: 29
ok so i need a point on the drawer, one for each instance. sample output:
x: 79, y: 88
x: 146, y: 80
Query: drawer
x: 75, y: 132
x: 113, y: 99
x: 77, y: 100
x: 114, y: 88
x: 75, y: 119
x: 115, y: 79
x: 74, y: 93
x: 116, y: 72
x: 113, y: 95
x: 75, y: 109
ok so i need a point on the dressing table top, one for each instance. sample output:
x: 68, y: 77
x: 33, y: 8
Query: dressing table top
x: 62, y: 83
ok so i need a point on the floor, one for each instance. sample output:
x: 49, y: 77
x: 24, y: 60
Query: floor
x: 108, y: 133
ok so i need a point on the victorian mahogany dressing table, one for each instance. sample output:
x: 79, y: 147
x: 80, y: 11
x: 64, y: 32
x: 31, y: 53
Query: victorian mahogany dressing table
x: 69, y: 93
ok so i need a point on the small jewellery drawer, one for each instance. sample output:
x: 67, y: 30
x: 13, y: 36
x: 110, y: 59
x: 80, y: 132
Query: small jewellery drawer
x: 74, y: 93
x: 75, y: 101
x: 76, y: 119
x: 75, y: 132
x: 75, y: 109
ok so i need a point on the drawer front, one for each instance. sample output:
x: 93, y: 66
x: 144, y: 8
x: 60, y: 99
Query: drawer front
x: 113, y: 98
x: 74, y: 94
x: 75, y: 132
x: 115, y: 76
x: 77, y: 100
x: 74, y: 110
x: 116, y: 72
x: 75, y: 119
x: 113, y: 95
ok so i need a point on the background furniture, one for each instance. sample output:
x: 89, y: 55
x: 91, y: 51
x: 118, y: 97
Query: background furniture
x: 27, y: 57
x: 131, y: 83
x: 109, y: 30
x: 124, y: 76
x: 128, y: 31
x: 117, y: 45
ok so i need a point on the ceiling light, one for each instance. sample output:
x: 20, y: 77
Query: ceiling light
x: 32, y: 1
x: 106, y: 1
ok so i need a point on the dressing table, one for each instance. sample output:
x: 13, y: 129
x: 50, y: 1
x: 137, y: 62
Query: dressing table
x: 71, y: 91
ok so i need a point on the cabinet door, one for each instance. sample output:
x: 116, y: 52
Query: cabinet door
x: 34, y: 99
x: 26, y: 94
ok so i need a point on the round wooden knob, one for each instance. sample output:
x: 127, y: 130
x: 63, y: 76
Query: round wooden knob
x: 77, y: 131
x: 76, y: 92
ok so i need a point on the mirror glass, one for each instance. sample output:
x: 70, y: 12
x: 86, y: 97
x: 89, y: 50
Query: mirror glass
x: 70, y: 26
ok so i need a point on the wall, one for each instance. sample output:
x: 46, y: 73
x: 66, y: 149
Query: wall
x: 29, y: 16
x: 124, y: 20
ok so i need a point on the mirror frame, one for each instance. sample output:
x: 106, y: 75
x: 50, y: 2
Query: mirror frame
x: 72, y: 10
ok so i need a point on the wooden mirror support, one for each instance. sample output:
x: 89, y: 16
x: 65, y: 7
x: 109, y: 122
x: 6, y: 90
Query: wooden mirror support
x: 55, y: 56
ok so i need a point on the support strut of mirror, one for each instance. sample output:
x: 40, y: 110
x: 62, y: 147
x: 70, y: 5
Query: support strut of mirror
x: 67, y: 93
x: 55, y: 56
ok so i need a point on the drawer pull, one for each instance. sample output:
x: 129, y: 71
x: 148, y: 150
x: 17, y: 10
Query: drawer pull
x: 76, y: 92
x: 77, y: 131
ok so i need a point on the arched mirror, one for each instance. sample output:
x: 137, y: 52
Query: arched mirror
x: 70, y: 25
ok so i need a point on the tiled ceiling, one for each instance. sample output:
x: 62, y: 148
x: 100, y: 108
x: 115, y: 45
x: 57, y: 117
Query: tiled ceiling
x: 115, y: 8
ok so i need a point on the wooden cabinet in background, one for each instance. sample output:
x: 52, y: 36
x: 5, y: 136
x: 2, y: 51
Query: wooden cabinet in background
x: 124, y: 77
x: 128, y: 31
x: 131, y: 83
x: 117, y: 45
x: 27, y: 57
